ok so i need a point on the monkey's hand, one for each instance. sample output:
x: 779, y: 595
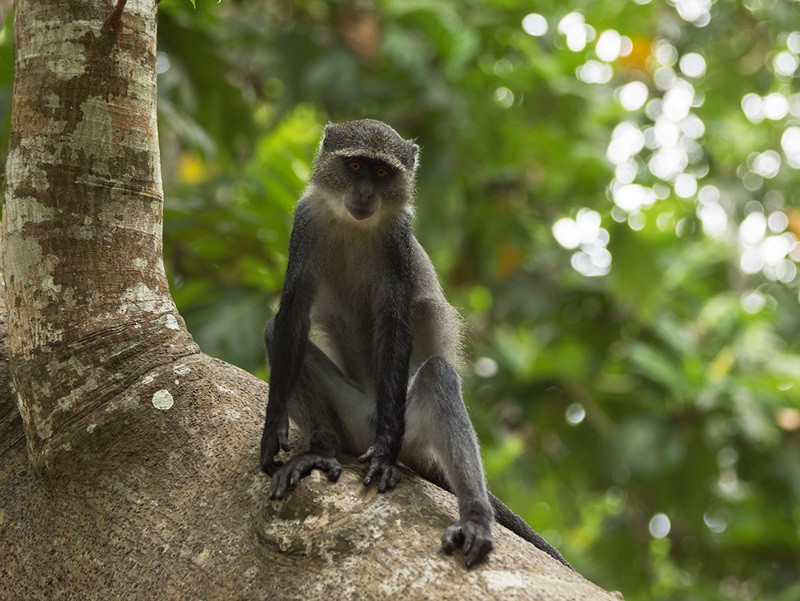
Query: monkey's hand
x: 274, y: 438
x: 473, y: 536
x: 381, y: 462
x: 297, y: 467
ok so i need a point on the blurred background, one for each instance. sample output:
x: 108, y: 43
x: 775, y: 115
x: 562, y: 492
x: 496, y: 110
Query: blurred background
x: 610, y: 192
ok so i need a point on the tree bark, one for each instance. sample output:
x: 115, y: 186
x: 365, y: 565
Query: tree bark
x: 136, y: 475
x: 11, y: 432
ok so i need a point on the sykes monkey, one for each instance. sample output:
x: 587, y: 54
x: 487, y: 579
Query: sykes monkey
x: 381, y: 382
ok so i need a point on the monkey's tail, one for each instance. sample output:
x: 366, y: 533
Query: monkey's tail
x: 505, y: 517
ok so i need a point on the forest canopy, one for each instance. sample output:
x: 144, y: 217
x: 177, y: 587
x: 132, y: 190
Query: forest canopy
x: 609, y: 192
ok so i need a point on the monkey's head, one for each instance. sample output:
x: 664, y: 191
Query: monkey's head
x: 365, y: 167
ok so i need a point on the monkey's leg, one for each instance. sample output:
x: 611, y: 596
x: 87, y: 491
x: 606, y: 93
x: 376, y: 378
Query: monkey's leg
x: 309, y: 409
x: 319, y: 426
x: 437, y: 419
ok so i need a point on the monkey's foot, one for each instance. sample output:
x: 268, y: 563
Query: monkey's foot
x: 290, y: 472
x: 475, y: 538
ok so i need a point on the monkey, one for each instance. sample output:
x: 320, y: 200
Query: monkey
x: 364, y: 349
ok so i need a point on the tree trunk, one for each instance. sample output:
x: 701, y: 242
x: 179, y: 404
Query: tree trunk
x: 137, y: 472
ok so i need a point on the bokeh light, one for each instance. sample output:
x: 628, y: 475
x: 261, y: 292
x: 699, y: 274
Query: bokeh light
x: 659, y: 525
x: 534, y: 24
x: 633, y: 95
x: 573, y: 26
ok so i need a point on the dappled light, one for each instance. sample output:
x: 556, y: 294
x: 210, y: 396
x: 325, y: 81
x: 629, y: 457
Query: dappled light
x: 665, y: 145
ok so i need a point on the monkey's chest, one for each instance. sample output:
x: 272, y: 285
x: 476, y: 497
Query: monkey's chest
x: 349, y: 285
x: 343, y: 305
x: 344, y: 315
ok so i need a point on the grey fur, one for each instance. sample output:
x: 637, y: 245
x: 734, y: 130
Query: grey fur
x: 368, y: 137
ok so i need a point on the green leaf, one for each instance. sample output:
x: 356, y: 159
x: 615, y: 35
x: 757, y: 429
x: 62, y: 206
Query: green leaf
x: 635, y: 270
x: 657, y: 366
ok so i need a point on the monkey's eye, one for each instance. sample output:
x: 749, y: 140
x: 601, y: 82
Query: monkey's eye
x: 355, y: 166
x: 382, y: 171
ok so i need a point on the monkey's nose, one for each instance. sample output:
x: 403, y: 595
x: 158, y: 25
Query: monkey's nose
x: 366, y: 191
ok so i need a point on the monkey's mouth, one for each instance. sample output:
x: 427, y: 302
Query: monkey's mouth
x: 360, y: 213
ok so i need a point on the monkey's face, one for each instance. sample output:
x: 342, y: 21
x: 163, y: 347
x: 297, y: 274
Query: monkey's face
x: 365, y: 171
x: 368, y: 179
x: 362, y: 188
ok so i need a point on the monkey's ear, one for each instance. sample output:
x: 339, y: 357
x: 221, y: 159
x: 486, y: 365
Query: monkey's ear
x: 414, y: 154
x: 328, y: 138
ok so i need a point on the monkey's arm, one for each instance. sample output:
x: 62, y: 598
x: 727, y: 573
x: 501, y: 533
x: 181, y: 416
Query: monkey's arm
x: 393, y: 344
x: 292, y: 324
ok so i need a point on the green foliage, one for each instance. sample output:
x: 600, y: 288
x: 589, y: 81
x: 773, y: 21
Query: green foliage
x: 227, y: 238
x: 6, y: 77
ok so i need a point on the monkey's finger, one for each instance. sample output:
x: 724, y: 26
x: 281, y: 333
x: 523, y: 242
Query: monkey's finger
x: 472, y: 559
x: 368, y: 478
x: 452, y: 538
x: 480, y: 549
x: 334, y: 472
x: 374, y: 469
x: 295, y: 475
x: 384, y: 484
x: 389, y: 478
x: 469, y: 539
x: 367, y: 455
x: 277, y: 489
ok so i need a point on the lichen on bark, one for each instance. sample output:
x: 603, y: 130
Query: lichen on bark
x: 83, y: 190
